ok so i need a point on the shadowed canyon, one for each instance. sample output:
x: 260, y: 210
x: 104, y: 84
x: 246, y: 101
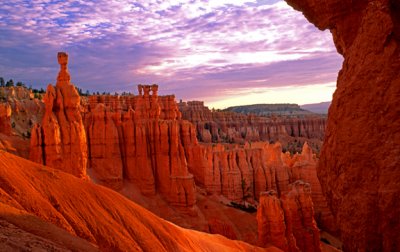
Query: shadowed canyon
x: 143, y: 172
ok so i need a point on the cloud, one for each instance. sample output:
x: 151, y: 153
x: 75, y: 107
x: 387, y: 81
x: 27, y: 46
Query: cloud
x: 210, y: 84
x: 194, y: 48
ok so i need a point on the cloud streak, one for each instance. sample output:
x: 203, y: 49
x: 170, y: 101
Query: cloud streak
x: 197, y: 49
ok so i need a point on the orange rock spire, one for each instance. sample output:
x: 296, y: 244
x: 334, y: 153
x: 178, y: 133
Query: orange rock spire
x: 60, y: 140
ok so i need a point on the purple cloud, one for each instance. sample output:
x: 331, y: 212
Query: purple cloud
x: 196, y: 49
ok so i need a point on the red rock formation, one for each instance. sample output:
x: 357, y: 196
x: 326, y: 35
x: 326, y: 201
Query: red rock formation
x: 104, y: 147
x: 359, y: 162
x: 288, y: 223
x: 139, y: 130
x: 19, y: 110
x: 60, y: 140
x: 230, y: 127
x: 58, y: 207
x: 5, y: 118
x: 142, y: 139
x: 272, y: 226
x: 25, y: 109
x: 277, y: 167
x: 298, y: 208
x: 221, y: 169
x: 139, y: 138
x: 304, y: 167
x: 241, y: 173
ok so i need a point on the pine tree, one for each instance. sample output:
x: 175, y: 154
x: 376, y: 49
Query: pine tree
x: 10, y: 83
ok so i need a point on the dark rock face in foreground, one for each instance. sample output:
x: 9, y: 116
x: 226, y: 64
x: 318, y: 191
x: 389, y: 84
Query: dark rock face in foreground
x: 360, y: 160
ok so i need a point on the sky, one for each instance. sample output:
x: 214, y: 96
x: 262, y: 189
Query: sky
x: 225, y: 52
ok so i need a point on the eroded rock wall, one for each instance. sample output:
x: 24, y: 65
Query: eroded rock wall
x: 230, y: 127
x: 140, y: 138
x: 304, y: 167
x: 241, y: 173
x: 359, y: 161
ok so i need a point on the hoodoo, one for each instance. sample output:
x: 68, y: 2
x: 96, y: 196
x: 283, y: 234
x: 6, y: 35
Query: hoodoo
x: 288, y: 222
x: 241, y: 173
x: 60, y: 140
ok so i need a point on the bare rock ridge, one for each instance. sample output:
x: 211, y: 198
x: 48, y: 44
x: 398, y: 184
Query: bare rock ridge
x: 66, y: 213
x: 283, y: 109
x: 231, y: 127
x: 359, y: 161
x: 60, y: 140
x: 288, y: 222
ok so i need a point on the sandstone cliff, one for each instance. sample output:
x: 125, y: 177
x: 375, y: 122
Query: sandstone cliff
x: 288, y: 222
x: 60, y: 140
x: 241, y: 173
x: 230, y: 127
x: 139, y: 138
x: 359, y: 162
